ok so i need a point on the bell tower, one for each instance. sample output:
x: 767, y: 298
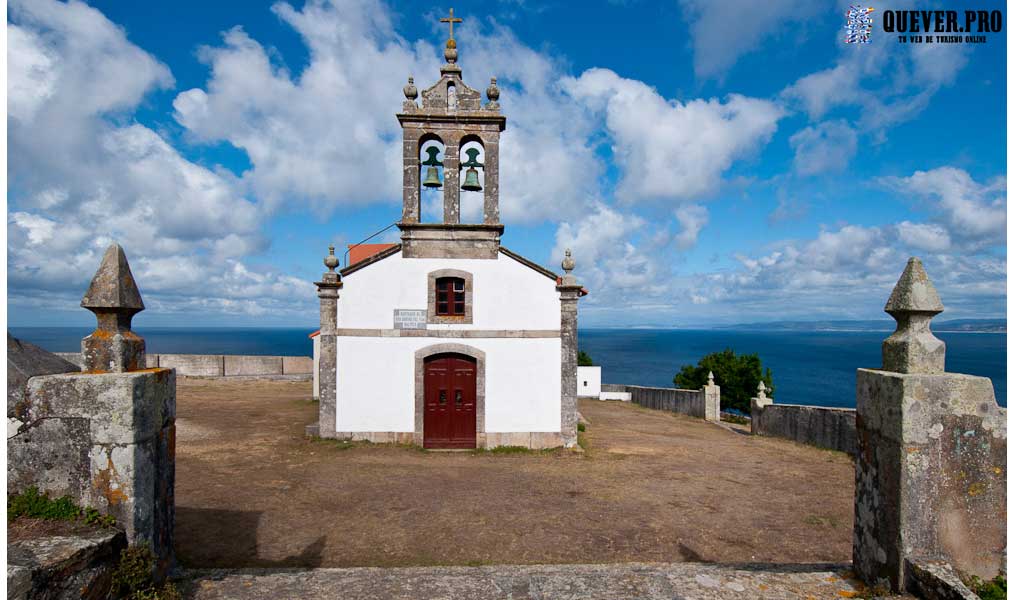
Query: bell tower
x: 450, y: 122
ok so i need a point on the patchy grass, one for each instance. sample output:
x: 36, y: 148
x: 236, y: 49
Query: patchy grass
x: 33, y: 505
x: 513, y: 450
x: 506, y: 450
x: 822, y: 521
x: 351, y: 444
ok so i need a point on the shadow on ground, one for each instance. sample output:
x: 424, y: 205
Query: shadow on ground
x: 206, y: 529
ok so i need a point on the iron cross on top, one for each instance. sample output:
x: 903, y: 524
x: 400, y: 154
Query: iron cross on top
x: 451, y: 21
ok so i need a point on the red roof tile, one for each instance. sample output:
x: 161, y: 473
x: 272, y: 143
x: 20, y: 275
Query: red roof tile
x: 363, y: 251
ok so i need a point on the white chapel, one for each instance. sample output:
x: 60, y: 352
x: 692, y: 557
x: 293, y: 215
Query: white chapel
x: 448, y: 339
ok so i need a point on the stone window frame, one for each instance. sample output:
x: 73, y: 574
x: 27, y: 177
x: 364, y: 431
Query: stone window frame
x: 480, y: 387
x: 431, y: 297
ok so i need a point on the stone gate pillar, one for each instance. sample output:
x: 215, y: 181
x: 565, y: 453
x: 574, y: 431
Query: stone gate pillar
x: 105, y: 436
x: 570, y: 291
x: 327, y: 291
x: 931, y: 465
x: 712, y: 400
x: 757, y: 405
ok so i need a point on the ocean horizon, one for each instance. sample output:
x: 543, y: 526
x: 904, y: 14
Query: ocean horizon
x: 808, y: 367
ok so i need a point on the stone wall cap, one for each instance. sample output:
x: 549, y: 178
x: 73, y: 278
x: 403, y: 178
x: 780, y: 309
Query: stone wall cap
x: 113, y: 285
x: 914, y: 292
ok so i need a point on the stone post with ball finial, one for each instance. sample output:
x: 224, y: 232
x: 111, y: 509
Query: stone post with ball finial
x: 327, y: 290
x: 570, y: 291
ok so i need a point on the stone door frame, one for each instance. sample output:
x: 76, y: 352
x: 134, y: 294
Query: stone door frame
x: 480, y: 387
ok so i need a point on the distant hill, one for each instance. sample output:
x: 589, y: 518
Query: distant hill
x: 965, y: 325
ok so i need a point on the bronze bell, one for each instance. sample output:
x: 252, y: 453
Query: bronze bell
x: 432, y: 179
x: 471, y: 181
x: 471, y: 175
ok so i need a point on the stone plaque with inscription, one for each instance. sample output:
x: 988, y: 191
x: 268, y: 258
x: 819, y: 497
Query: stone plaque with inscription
x: 409, y: 318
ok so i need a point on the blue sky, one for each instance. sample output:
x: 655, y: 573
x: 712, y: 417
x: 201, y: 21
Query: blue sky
x: 708, y: 162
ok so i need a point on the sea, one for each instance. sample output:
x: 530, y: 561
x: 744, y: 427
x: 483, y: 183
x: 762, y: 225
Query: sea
x: 808, y: 367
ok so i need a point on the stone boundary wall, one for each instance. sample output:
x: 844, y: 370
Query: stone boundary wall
x: 821, y: 426
x: 223, y: 365
x: 686, y: 402
x: 694, y: 403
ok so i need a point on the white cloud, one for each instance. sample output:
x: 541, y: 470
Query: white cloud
x: 820, y: 91
x: 938, y: 64
x: 788, y: 209
x: 848, y: 272
x: 692, y: 218
x: 826, y: 147
x: 83, y: 174
x: 973, y: 213
x: 608, y: 260
x: 669, y: 149
x: 924, y: 236
x: 327, y: 136
x: 724, y: 31
x: 892, y: 83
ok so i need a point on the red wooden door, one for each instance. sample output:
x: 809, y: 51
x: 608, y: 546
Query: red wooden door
x: 449, y: 392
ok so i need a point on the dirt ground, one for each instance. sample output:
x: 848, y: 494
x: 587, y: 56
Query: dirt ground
x: 251, y: 491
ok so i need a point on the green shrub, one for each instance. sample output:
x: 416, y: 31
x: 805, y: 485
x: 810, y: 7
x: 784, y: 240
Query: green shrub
x: 994, y: 589
x: 737, y: 375
x: 580, y: 427
x: 94, y: 517
x: 132, y: 578
x: 40, y: 506
x: 583, y: 360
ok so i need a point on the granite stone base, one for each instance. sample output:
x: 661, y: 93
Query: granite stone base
x: 58, y: 567
x: 535, y: 440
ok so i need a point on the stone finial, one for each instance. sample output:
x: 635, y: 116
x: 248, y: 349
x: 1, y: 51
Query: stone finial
x: 331, y: 262
x: 451, y: 52
x: 114, y: 298
x: 568, y: 262
x: 711, y: 378
x: 913, y: 348
x: 761, y: 391
x: 411, y: 92
x: 493, y: 94
x: 568, y: 265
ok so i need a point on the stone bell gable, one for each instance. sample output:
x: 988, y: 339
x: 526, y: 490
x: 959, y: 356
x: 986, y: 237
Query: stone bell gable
x: 451, y: 117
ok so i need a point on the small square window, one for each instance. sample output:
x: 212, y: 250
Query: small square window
x: 450, y: 297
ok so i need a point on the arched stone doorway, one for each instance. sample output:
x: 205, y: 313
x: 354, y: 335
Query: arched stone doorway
x: 450, y: 396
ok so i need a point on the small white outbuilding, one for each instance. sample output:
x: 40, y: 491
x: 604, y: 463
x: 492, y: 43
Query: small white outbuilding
x: 589, y: 382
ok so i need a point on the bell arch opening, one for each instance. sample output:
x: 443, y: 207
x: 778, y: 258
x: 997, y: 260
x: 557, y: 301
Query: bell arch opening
x: 431, y: 178
x: 472, y: 179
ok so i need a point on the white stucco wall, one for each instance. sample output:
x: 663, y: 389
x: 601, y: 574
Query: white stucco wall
x: 506, y: 293
x: 376, y: 374
x: 589, y: 381
x: 316, y: 366
x: 376, y: 382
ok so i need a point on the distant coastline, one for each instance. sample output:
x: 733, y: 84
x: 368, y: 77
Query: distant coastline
x: 856, y: 326
x: 951, y: 326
